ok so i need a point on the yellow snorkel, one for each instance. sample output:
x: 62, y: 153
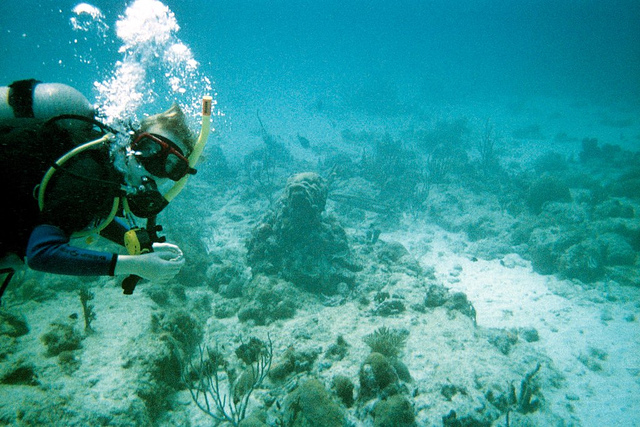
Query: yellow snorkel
x: 207, y: 104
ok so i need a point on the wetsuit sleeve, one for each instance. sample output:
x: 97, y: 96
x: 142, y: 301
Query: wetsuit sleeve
x: 49, y: 250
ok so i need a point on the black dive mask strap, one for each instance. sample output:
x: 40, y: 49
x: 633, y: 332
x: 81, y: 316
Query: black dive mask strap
x: 21, y: 98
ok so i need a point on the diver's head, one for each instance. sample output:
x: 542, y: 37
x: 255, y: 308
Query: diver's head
x: 171, y: 124
x: 164, y: 143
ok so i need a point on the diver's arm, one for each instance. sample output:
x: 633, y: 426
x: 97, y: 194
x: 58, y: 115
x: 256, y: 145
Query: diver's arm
x: 161, y: 265
x: 49, y: 250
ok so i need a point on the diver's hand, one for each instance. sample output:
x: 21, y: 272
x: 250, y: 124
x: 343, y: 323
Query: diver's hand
x: 161, y: 265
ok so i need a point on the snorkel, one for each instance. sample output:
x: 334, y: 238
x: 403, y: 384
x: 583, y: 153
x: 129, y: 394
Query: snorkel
x: 207, y: 104
x: 140, y: 240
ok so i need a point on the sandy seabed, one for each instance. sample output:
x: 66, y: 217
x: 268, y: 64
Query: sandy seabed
x: 588, y: 340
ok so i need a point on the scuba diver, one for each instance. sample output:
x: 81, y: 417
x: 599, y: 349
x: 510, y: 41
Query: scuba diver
x: 67, y: 175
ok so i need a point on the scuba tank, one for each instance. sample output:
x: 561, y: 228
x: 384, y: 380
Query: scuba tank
x: 28, y: 146
x: 31, y: 99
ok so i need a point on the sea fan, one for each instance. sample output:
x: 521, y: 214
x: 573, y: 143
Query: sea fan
x: 386, y: 341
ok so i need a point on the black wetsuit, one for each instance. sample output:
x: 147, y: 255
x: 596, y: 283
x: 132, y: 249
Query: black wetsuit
x: 79, y: 195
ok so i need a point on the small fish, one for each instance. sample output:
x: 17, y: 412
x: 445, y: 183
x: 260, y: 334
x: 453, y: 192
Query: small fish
x: 304, y: 142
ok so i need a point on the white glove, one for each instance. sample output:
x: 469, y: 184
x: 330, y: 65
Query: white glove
x: 161, y: 265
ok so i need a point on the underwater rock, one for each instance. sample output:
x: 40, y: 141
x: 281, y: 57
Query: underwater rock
x: 590, y: 150
x: 439, y: 296
x: 436, y: 296
x: 502, y: 339
x: 268, y: 300
x: 547, y: 189
x: 376, y: 374
x: 389, y: 307
x: 396, y: 411
x: 297, y: 242
x: 293, y: 361
x: 12, y: 325
x: 155, y: 361
x: 228, y: 278
x: 395, y: 254
x: 628, y: 185
x: 180, y: 325
x: 583, y: 261
x: 613, y: 208
x: 617, y: 250
x: 392, y: 252
x: 546, y: 245
x: 458, y: 301
x: 310, y: 404
x: 62, y: 336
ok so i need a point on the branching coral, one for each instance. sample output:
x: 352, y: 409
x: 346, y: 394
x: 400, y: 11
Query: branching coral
x: 205, y: 380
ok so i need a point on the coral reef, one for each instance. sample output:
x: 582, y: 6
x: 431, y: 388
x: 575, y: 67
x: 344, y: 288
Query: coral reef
x: 268, y: 299
x: 297, y: 242
x: 310, y: 404
x: 396, y: 411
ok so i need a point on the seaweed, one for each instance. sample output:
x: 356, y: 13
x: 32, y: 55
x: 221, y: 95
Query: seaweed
x: 525, y: 401
x: 486, y: 148
x: 87, y: 309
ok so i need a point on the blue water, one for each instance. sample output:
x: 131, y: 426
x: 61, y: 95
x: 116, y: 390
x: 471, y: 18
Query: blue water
x: 354, y: 75
x: 435, y: 49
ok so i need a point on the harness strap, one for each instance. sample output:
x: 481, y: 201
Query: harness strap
x: 9, y: 275
x: 21, y: 97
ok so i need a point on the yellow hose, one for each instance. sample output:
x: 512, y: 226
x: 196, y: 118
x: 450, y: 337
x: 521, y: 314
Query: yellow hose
x: 62, y: 160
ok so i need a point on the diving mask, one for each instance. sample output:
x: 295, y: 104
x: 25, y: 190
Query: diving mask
x: 160, y: 156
